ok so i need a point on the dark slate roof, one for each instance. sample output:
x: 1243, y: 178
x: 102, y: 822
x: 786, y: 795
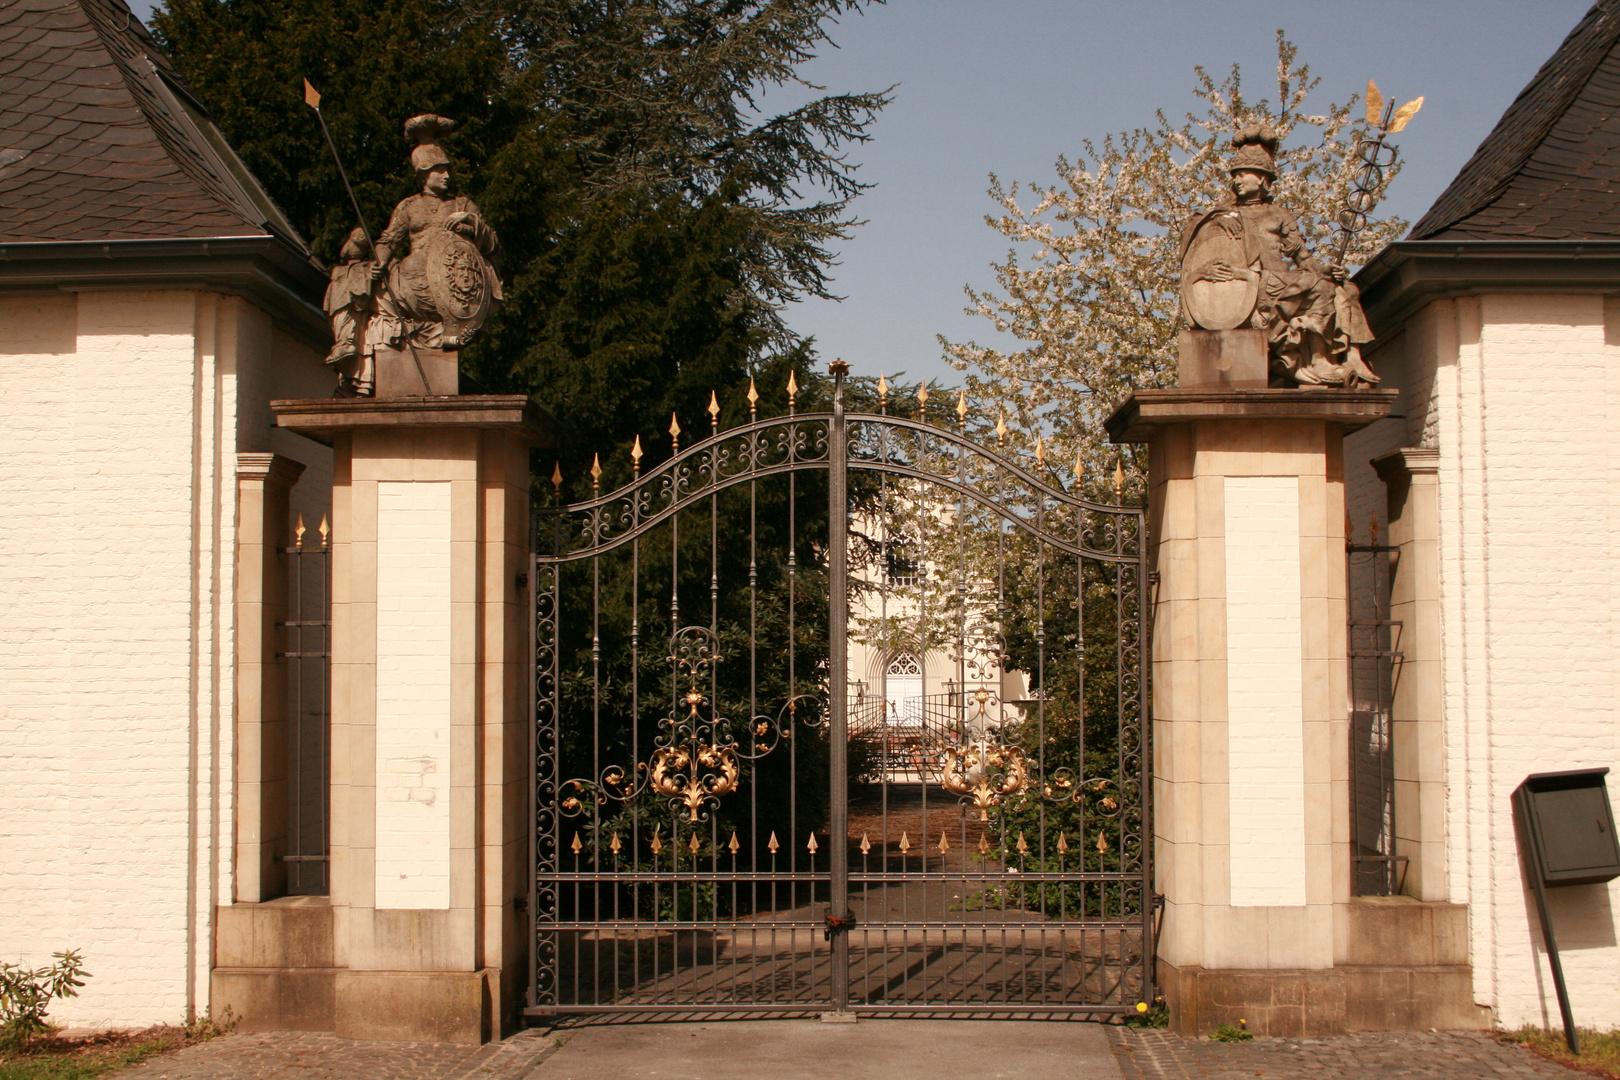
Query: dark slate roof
x: 101, y: 141
x: 1550, y: 170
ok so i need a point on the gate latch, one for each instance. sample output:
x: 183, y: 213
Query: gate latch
x: 839, y: 924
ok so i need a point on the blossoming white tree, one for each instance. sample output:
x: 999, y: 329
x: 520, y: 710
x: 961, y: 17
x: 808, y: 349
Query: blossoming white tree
x: 1091, y: 281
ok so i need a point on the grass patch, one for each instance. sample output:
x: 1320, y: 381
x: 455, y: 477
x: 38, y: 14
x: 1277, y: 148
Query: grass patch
x: 1238, y: 1032
x: 53, y: 1057
x: 1600, y: 1050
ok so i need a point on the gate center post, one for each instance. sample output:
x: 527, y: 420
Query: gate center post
x: 838, y: 914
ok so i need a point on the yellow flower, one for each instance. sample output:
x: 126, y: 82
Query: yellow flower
x: 1141, y: 1006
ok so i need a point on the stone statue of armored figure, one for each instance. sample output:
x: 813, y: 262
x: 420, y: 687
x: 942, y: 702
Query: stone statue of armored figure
x: 1244, y: 264
x: 428, y: 291
x: 349, y: 305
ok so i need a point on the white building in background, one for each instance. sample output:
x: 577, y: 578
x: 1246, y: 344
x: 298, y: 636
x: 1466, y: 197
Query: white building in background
x: 1499, y: 478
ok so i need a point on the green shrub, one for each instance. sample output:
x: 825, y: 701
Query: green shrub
x: 25, y: 993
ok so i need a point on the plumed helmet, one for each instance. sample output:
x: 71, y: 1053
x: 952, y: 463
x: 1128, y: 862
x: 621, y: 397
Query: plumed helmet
x: 1256, y: 147
x: 425, y: 131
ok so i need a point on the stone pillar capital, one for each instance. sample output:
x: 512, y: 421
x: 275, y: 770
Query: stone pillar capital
x: 273, y: 470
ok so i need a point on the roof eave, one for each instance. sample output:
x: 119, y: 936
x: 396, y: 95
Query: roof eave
x: 264, y: 269
x: 1409, y: 274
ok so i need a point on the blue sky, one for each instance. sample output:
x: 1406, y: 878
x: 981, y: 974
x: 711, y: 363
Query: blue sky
x: 1005, y: 86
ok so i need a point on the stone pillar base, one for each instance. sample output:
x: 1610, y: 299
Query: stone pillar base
x: 1324, y: 1001
x: 273, y: 965
x: 419, y: 1006
x: 1402, y: 966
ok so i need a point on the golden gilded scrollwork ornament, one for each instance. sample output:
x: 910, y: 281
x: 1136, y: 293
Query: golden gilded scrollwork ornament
x: 696, y: 762
x: 984, y: 768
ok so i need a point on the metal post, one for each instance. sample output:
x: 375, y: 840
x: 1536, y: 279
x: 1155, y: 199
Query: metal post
x: 838, y: 914
x: 1521, y: 806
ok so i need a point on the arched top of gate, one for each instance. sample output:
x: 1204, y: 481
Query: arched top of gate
x: 890, y: 446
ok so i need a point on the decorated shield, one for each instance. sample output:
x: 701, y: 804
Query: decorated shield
x: 458, y: 280
x: 1218, y: 305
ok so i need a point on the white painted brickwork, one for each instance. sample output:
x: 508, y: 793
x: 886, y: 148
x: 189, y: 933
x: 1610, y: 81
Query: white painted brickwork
x: 1521, y: 396
x: 413, y: 694
x: 1265, y: 694
x: 118, y: 443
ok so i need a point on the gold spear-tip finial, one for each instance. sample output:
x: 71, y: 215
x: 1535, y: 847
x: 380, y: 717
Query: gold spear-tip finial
x: 674, y: 425
x: 771, y: 845
x: 635, y: 453
x: 883, y: 387
x: 812, y: 846
x: 793, y: 385
x: 1119, y: 478
x: 1040, y: 451
x: 1001, y: 429
x: 298, y: 532
x: 596, y: 469
x: 714, y: 408
x: 753, y: 395
x: 556, y: 475
x: 657, y: 844
x: 961, y: 406
x: 324, y: 529
x: 922, y: 396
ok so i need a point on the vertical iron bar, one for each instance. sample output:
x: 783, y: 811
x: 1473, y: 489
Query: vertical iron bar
x: 838, y: 691
x: 1144, y: 742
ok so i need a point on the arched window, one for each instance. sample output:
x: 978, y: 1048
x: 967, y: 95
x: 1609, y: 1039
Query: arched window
x: 903, y: 689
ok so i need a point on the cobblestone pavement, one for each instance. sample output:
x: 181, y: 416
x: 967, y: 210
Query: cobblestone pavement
x: 1140, y: 1055
x: 294, y: 1055
x: 1443, y: 1055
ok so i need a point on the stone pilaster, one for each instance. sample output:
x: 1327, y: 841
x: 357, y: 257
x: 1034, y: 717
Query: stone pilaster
x: 1411, y: 477
x: 262, y: 485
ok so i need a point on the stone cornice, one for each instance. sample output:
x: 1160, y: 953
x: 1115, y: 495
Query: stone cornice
x: 323, y: 419
x: 1137, y: 417
x: 264, y: 269
x: 1409, y: 274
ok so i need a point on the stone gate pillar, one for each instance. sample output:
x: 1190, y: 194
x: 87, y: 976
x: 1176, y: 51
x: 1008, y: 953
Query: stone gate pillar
x: 429, y: 706
x: 1250, y: 716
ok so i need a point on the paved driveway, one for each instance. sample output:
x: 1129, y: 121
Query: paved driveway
x: 869, y: 1050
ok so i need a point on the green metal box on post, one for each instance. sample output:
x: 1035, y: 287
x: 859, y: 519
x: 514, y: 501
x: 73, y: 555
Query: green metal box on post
x: 1567, y: 824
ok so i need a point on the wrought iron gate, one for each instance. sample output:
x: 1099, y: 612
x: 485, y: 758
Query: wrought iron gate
x: 718, y: 828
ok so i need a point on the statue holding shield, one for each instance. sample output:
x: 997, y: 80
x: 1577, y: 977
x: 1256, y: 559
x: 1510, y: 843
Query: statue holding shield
x: 435, y: 275
x: 1244, y: 265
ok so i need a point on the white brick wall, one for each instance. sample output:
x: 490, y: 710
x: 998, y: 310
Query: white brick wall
x: 118, y: 435
x: 1265, y: 694
x: 413, y: 694
x: 1521, y: 395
